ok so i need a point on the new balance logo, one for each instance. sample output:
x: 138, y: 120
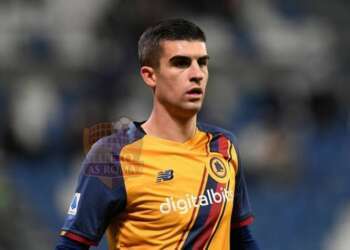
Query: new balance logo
x: 165, y: 175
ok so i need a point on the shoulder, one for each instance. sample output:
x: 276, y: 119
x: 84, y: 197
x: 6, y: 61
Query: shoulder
x: 215, y: 130
x: 219, y: 138
x: 119, y: 137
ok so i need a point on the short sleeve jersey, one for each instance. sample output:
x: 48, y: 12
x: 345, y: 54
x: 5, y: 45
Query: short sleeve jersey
x: 152, y: 193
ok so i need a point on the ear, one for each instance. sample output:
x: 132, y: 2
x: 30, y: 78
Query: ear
x: 148, y: 75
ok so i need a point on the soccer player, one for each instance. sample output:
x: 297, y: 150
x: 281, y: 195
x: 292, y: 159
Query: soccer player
x: 169, y: 182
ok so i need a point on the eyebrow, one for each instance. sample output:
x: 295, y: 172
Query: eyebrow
x: 179, y: 57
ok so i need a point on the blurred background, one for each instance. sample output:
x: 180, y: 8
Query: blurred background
x: 278, y: 79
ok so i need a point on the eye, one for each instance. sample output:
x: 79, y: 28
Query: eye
x: 181, y: 62
x: 203, y: 61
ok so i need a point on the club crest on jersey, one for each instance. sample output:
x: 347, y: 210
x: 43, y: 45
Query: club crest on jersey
x: 165, y: 175
x: 218, y: 169
x: 73, y: 207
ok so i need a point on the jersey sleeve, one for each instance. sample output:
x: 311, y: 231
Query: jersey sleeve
x: 242, y: 211
x: 100, y: 194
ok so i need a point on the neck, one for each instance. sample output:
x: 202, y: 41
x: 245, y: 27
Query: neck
x: 163, y: 124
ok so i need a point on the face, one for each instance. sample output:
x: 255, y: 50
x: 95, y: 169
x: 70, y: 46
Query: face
x: 181, y: 78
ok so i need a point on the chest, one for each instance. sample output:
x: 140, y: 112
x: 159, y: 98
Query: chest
x: 171, y: 185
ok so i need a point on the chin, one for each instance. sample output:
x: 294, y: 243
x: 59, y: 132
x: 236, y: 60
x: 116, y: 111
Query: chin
x: 191, y: 109
x: 185, y: 109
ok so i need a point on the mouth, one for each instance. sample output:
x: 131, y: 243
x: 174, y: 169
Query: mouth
x: 195, y: 92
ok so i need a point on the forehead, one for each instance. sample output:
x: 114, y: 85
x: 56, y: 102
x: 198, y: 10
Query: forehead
x: 183, y: 48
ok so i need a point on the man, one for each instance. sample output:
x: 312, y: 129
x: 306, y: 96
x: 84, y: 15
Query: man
x: 176, y: 183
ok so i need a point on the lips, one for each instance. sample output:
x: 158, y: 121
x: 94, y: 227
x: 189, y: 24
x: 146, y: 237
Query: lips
x: 195, y: 91
x: 195, y: 94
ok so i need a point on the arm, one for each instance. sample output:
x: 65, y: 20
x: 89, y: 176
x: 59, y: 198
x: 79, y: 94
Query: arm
x: 65, y: 243
x: 99, y: 197
x: 242, y: 239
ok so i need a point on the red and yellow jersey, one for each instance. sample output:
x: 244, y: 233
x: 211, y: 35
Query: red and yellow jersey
x: 152, y: 193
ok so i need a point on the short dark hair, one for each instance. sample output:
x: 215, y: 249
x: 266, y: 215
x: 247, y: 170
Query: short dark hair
x: 149, y: 47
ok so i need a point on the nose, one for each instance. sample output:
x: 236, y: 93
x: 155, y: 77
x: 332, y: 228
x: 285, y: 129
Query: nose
x: 196, y: 73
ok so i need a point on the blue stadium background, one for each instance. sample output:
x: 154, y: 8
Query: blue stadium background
x: 278, y: 79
